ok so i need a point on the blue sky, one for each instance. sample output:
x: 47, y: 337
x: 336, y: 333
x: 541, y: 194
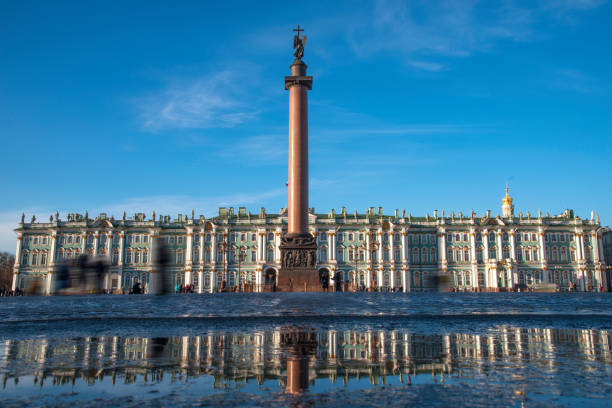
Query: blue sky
x: 169, y: 106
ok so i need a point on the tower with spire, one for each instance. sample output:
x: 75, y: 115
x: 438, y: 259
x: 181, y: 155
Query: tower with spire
x: 507, y: 206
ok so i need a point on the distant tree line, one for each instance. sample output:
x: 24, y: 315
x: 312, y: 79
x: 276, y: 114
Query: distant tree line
x: 6, y: 270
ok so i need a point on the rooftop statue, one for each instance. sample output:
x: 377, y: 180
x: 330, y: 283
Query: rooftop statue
x: 298, y: 43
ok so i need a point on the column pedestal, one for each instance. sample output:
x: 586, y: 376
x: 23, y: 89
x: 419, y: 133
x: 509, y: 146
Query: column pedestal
x: 298, y: 264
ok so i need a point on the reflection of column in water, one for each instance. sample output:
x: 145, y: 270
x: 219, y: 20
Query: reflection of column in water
x: 381, y: 347
x: 605, y: 344
x: 394, y: 351
x: 550, y: 347
x: 519, y: 342
x: 370, y: 345
x: 86, y: 351
x: 184, y: 351
x: 447, y: 348
x: 492, y: 347
x: 332, y: 337
x: 198, y: 344
x: 209, y: 351
x: 407, y: 351
x: 506, y: 351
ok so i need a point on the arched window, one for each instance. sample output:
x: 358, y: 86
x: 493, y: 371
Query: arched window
x: 386, y: 253
x: 270, y: 254
x: 491, y: 237
x: 128, y: 258
x: 398, y: 254
x: 527, y: 255
x: 478, y: 237
x: 115, y: 259
x: 506, y: 252
x: 323, y: 236
x: 136, y: 257
x: 43, y: 258
x: 479, y: 254
x: 563, y: 254
x: 145, y: 257
x: 323, y: 253
x: 415, y: 255
x: 573, y: 255
x: 555, y: 254
x: 505, y: 237
x: 179, y: 257
x: 340, y: 255
x: 432, y: 255
x: 466, y: 254
x: 424, y: 255
x: 468, y: 279
x: 34, y: 258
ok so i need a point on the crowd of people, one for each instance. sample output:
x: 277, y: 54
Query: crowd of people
x: 8, y: 292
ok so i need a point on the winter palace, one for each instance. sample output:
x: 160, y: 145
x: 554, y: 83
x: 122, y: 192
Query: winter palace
x: 371, y: 250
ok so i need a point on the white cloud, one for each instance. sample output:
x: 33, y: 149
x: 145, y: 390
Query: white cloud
x: 261, y: 148
x: 215, y: 101
x: 574, y: 81
x: 424, y: 32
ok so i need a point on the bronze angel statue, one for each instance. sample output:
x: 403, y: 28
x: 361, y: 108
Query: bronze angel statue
x: 298, y: 45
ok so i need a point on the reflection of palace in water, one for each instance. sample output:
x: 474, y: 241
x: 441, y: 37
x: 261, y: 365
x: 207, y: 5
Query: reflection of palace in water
x: 259, y: 356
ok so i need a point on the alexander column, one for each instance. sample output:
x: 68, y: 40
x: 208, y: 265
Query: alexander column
x: 298, y: 247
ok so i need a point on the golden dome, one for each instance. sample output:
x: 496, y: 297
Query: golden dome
x: 507, y: 200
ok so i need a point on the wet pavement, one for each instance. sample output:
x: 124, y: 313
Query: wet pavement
x: 363, y: 349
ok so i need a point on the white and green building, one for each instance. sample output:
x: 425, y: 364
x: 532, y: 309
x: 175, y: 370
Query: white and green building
x: 390, y: 252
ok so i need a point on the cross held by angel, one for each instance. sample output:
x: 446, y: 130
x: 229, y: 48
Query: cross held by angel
x: 298, y: 43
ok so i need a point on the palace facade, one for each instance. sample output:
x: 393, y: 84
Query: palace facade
x: 367, y: 250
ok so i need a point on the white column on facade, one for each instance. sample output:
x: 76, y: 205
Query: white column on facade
x: 392, y: 278
x: 213, y: 247
x: 473, y: 245
x: 406, y: 284
x: 277, y: 241
x: 120, y: 260
x: 264, y: 246
x: 595, y: 242
x: 485, y: 240
x: 379, y: 275
x: 96, y: 242
x: 332, y: 245
x: 367, y: 248
x: 392, y: 249
x: 225, y: 254
x: 543, y: 257
x: 404, y: 242
x: 379, y: 250
x: 442, y: 261
x: 18, y: 255
x: 188, y: 256
x: 109, y: 255
x: 512, y: 245
x: 84, y: 243
x: 498, y: 244
x: 201, y: 246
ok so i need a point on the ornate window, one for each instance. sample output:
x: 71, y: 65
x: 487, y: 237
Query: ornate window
x: 424, y: 255
x: 43, y: 258
x: 253, y: 237
x: 196, y: 254
x: 179, y: 257
x: 492, y: 252
x: 415, y: 255
x: 555, y: 254
x: 323, y: 253
x: 398, y: 255
x: 519, y: 254
x: 534, y: 252
x: 137, y: 238
x: 573, y: 255
x: 350, y: 236
x: 478, y: 237
x: 506, y: 252
x: 432, y: 255
x: 479, y: 254
x: 115, y: 259
x: 527, y: 255
x: 563, y: 254
x: 468, y: 279
x: 466, y: 254
x: 145, y: 257
x: 34, y: 258
x: 340, y: 255
x: 534, y: 237
x: 253, y: 255
x: 128, y: 258
x: 137, y: 257
x: 449, y: 255
x: 270, y: 254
